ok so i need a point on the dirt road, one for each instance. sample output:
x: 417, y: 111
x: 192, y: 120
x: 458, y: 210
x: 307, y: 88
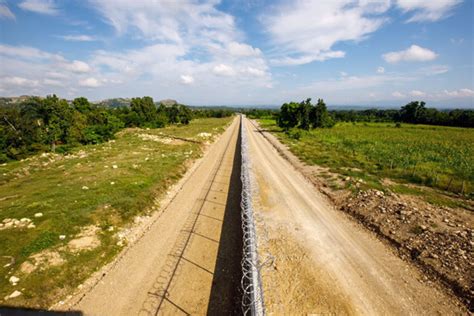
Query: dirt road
x: 322, y: 261
x: 182, y: 265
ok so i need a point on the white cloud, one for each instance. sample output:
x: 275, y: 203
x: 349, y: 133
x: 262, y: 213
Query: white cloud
x: 77, y: 66
x: 47, y: 7
x: 413, y: 53
x: 254, y: 72
x: 78, y: 38
x: 306, y: 31
x: 25, y: 52
x: 435, y: 70
x: 305, y: 59
x: 177, y: 22
x: 90, y: 82
x: 187, y: 79
x: 461, y: 93
x: 428, y: 10
x: 53, y: 82
x: 457, y: 41
x: 398, y: 94
x: 343, y: 74
x: 223, y: 70
x: 5, y: 11
x: 380, y: 70
x: 18, y: 81
x: 417, y: 93
x: 239, y: 49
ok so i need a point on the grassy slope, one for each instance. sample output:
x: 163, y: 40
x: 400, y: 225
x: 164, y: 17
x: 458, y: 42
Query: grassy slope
x: 435, y: 156
x: 53, y: 185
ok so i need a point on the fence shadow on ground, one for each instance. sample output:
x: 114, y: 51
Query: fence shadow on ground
x: 226, y: 293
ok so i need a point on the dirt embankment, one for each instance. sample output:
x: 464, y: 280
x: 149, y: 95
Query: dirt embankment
x: 439, y: 240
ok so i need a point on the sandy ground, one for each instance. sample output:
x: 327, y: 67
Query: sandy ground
x: 318, y: 260
x: 183, y: 254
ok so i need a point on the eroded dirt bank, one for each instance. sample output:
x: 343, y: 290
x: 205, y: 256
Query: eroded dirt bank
x: 324, y: 262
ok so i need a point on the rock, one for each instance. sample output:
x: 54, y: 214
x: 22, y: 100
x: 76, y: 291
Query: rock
x: 25, y: 220
x: 14, y: 294
x: 423, y: 227
x: 14, y: 280
x: 446, y: 220
x: 114, y: 166
x: 112, y: 183
x: 9, y: 224
x: 31, y: 225
x: 62, y: 237
x: 85, y: 188
x: 434, y: 256
x: 38, y: 214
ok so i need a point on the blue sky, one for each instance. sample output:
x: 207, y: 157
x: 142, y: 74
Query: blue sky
x: 237, y: 52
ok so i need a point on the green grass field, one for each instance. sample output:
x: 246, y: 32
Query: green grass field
x: 435, y: 156
x: 104, y: 186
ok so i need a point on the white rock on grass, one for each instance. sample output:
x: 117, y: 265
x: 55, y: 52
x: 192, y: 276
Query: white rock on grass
x: 13, y: 295
x: 14, y: 280
x: 85, y: 188
x: 31, y: 225
x: 112, y: 183
x: 114, y: 166
x: 62, y: 237
x: 38, y: 214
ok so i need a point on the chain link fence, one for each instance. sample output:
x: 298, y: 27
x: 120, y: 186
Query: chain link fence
x: 252, y: 300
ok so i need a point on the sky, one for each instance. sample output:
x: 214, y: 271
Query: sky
x: 241, y: 52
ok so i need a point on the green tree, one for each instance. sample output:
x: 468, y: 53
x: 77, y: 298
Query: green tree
x: 288, y: 116
x: 185, y: 114
x: 414, y: 112
x: 304, y: 111
x: 320, y: 116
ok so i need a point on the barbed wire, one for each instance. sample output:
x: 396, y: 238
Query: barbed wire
x: 252, y: 299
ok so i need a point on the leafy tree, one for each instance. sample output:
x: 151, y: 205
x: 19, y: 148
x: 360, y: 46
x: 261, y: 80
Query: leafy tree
x: 304, y: 113
x: 413, y: 112
x: 320, y: 116
x: 173, y: 114
x: 185, y: 115
x: 288, y: 117
x: 82, y: 105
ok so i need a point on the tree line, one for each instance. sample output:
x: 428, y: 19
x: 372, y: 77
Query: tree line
x: 304, y: 115
x: 414, y: 112
x: 54, y: 124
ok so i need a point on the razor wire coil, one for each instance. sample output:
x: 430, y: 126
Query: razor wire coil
x: 252, y: 298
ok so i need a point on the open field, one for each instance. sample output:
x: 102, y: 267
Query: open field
x: 63, y: 216
x: 438, y: 157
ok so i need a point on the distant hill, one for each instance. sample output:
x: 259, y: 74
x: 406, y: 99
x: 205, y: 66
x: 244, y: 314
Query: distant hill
x: 167, y: 102
x: 115, y: 103
x: 11, y: 101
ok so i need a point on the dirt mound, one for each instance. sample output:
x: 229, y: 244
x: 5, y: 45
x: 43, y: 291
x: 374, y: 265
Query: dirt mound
x: 439, y: 239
